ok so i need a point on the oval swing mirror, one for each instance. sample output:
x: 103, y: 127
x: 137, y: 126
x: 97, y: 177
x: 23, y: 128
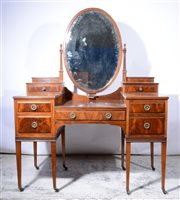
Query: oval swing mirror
x: 93, y: 50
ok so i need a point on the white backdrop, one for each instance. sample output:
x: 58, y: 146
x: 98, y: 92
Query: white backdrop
x: 31, y: 32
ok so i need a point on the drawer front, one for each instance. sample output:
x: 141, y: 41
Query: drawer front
x: 34, y: 107
x: 34, y: 125
x: 90, y: 115
x: 146, y: 126
x: 141, y: 88
x: 44, y: 88
x: 146, y: 107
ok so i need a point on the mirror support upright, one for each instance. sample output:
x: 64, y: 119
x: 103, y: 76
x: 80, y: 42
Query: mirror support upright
x: 124, y: 64
x: 61, y: 66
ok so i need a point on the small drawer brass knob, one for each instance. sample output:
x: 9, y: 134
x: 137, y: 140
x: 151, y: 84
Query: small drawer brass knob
x: 108, y: 115
x: 147, y: 125
x: 147, y: 107
x: 33, y: 107
x: 44, y: 89
x: 34, y: 125
x: 140, y: 88
x: 72, y: 115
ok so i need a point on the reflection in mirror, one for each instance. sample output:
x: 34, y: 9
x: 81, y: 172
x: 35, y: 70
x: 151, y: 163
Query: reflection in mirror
x: 92, y: 50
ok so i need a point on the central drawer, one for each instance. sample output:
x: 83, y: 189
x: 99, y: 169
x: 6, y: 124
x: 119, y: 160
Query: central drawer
x: 146, y: 125
x: 91, y: 115
x: 34, y: 124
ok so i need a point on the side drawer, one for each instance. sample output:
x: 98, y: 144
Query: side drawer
x: 153, y: 87
x: 145, y: 126
x: 34, y: 107
x: 34, y: 125
x: 90, y: 115
x: 147, y: 107
x: 44, y: 87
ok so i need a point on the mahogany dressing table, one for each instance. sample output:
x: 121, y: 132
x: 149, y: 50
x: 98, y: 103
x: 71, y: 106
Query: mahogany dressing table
x: 92, y: 57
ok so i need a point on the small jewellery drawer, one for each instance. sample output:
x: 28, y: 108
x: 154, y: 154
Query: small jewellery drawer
x: 37, y: 87
x: 34, y: 107
x: 141, y: 88
x: 147, y: 107
x: 147, y: 125
x: 91, y: 115
x: 34, y: 125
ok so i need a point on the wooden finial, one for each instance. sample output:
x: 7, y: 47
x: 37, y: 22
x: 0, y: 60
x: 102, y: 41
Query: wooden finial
x: 61, y: 67
x: 124, y: 64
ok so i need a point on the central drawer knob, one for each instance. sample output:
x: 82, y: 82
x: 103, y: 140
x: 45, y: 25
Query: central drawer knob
x: 147, y: 125
x: 108, y: 115
x: 34, y: 125
x: 33, y: 107
x: 72, y: 115
x: 147, y: 107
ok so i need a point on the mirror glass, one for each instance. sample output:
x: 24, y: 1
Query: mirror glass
x: 92, y: 50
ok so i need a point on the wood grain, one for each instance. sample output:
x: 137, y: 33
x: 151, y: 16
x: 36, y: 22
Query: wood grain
x: 27, y: 107
x: 25, y: 125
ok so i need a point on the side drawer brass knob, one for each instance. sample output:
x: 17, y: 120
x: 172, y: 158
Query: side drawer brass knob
x: 34, y: 125
x: 72, y: 115
x: 147, y: 107
x: 147, y: 125
x: 108, y: 115
x: 140, y: 88
x: 34, y: 107
x: 44, y: 89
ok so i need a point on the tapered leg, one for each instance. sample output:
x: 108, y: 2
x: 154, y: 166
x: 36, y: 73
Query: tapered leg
x: 122, y: 149
x: 128, y: 156
x: 152, y: 155
x: 35, y: 154
x: 63, y: 148
x: 163, y: 165
x: 53, y: 154
x: 18, y: 162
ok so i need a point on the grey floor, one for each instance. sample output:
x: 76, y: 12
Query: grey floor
x: 89, y: 177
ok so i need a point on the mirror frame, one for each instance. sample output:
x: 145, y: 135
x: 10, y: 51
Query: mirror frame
x: 92, y: 93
